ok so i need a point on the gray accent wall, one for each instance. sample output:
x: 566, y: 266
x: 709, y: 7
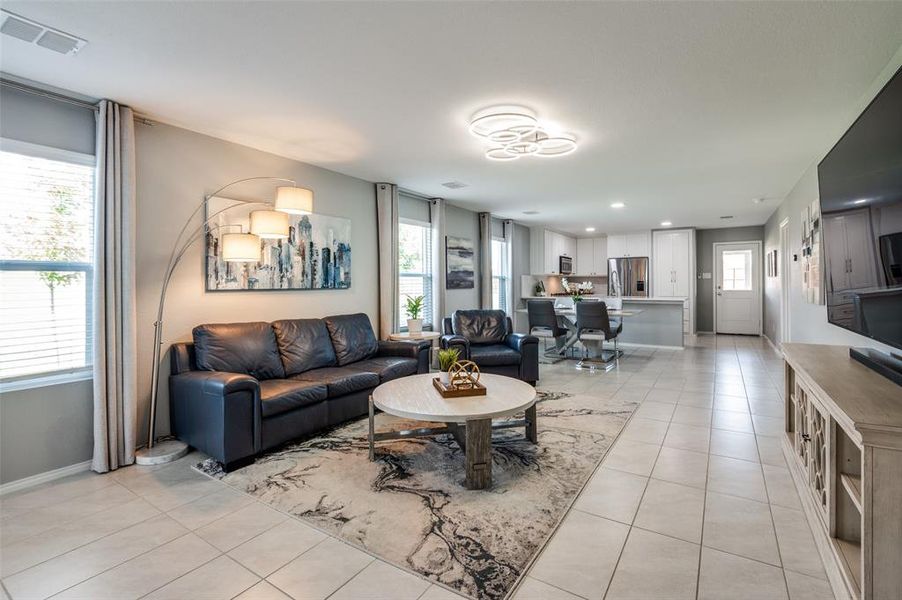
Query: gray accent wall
x: 704, y: 263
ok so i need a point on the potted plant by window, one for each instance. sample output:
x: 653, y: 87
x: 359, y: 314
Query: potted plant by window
x: 446, y: 359
x: 414, y: 308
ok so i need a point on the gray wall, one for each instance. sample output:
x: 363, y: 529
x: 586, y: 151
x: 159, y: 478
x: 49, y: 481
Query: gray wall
x: 808, y: 322
x: 45, y: 428
x: 704, y: 263
x: 175, y: 169
x: 460, y: 222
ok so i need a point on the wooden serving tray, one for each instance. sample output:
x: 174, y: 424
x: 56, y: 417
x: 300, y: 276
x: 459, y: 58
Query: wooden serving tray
x: 449, y: 392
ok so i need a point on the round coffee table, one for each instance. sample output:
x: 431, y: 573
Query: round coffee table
x: 468, y: 419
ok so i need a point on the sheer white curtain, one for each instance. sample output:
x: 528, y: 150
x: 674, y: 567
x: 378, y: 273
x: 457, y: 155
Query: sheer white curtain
x: 485, y: 260
x: 114, y: 329
x: 387, y: 225
x: 437, y: 218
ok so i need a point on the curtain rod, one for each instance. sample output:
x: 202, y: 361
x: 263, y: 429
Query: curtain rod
x: 30, y: 89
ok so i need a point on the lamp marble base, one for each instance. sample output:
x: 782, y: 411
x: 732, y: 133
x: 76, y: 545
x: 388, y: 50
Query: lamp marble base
x: 161, y: 453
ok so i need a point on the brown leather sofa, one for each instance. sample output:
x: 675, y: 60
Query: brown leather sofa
x: 243, y: 388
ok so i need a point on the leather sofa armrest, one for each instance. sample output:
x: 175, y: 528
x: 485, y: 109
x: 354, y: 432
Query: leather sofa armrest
x: 218, y: 413
x: 516, y: 341
x: 456, y: 341
x: 410, y: 349
x: 418, y: 349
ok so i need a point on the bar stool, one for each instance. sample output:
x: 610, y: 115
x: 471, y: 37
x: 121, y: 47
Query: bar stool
x: 543, y: 323
x: 593, y: 328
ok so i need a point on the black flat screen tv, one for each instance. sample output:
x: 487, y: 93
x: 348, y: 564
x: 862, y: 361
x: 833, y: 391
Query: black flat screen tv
x: 860, y: 183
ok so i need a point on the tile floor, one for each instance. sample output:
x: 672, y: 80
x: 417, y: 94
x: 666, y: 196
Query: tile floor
x: 693, y: 501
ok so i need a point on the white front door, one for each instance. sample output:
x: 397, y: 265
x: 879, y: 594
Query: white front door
x: 737, y: 288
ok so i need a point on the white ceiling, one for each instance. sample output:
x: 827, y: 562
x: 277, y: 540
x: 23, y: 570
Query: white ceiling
x: 685, y: 111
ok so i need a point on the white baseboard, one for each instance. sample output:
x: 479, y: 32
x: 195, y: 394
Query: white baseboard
x: 27, y: 482
x: 772, y: 345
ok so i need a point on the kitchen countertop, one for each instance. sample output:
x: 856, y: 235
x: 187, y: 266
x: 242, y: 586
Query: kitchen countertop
x: 636, y: 299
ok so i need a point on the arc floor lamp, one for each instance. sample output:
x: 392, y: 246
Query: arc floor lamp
x: 266, y: 223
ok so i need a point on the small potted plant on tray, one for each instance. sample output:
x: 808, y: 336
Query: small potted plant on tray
x: 414, y: 308
x: 446, y: 359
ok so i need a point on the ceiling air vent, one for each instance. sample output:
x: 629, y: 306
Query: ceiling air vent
x: 41, y: 35
x: 454, y: 185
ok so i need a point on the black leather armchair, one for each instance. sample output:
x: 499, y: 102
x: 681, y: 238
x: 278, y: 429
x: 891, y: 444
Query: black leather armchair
x: 486, y: 337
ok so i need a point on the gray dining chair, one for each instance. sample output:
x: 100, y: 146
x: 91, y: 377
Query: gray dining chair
x: 593, y: 329
x: 543, y: 323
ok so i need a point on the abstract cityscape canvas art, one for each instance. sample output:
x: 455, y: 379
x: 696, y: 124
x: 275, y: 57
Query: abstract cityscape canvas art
x: 460, y: 264
x: 315, y: 256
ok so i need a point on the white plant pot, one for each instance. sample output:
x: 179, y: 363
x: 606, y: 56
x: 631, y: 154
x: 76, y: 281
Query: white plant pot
x: 445, y: 378
x: 415, y: 325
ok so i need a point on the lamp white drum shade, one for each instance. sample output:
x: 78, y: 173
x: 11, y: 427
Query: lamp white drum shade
x: 294, y: 200
x: 269, y: 224
x: 241, y: 247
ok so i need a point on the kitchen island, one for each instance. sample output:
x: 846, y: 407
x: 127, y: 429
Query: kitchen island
x: 658, y: 322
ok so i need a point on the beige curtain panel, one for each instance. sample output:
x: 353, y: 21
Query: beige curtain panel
x: 114, y: 329
x: 387, y: 232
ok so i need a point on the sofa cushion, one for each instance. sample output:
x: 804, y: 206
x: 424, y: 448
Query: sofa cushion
x: 387, y: 367
x: 304, y: 344
x: 352, y: 337
x: 281, y: 395
x: 480, y: 326
x: 340, y: 380
x: 248, y: 348
x: 494, y: 355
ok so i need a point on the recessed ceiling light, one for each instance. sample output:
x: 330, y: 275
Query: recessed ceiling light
x: 454, y: 185
x: 666, y: 223
x: 727, y: 217
x: 530, y: 212
x: 757, y: 200
x: 590, y: 229
x: 618, y: 205
x: 860, y: 201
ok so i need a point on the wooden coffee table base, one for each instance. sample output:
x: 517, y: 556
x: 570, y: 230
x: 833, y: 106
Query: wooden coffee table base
x: 473, y: 436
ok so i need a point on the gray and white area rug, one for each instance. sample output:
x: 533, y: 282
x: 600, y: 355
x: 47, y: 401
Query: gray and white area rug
x: 410, y: 507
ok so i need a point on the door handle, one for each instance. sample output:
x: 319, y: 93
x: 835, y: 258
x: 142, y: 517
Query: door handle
x: 720, y: 293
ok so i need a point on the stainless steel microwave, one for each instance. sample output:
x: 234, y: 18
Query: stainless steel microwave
x: 566, y: 265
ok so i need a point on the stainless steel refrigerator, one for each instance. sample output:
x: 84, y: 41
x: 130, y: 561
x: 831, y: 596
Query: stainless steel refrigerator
x: 628, y: 276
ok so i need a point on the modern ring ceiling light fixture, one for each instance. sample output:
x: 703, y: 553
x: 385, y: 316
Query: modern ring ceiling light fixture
x: 515, y: 131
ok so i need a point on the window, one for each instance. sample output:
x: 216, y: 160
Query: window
x: 500, y: 275
x: 737, y: 270
x: 414, y: 268
x: 46, y: 261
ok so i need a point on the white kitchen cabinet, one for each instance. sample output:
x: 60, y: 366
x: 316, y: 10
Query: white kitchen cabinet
x: 629, y: 244
x: 672, y: 267
x: 617, y: 246
x: 546, y: 248
x: 592, y: 256
x: 638, y: 244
